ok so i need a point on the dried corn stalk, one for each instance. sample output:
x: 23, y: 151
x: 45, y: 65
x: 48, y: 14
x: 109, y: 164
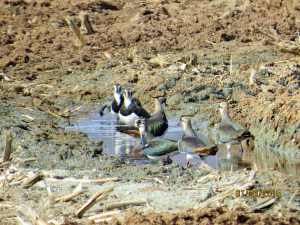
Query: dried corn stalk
x: 284, y: 45
x: 161, y: 60
x: 85, y: 22
x: 76, y: 31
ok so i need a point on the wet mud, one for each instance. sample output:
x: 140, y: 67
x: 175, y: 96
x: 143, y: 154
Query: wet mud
x: 143, y: 45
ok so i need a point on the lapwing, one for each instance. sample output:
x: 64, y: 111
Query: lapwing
x: 154, y: 147
x: 192, y: 145
x: 229, y: 132
x: 131, y: 109
x: 116, y: 104
x: 157, y: 124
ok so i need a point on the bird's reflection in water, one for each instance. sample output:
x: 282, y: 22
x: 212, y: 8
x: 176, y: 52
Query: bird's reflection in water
x: 129, y: 148
x: 235, y: 158
x: 123, y: 144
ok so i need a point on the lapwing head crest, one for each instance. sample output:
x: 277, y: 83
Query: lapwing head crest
x: 117, y: 88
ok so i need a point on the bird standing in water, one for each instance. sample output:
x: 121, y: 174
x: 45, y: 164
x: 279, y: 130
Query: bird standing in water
x: 131, y: 109
x: 116, y: 104
x: 192, y: 145
x: 157, y: 124
x: 156, y: 148
x: 229, y: 132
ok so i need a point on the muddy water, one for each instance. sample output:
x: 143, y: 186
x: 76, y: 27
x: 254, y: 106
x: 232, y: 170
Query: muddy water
x: 124, y: 146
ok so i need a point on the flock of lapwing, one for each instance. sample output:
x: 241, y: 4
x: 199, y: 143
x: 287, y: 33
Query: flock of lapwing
x: 151, y: 128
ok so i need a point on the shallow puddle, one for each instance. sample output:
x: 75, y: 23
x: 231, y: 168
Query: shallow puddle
x: 124, y: 146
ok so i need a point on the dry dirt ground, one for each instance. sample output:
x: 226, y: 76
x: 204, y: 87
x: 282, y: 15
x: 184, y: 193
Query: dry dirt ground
x: 144, y: 45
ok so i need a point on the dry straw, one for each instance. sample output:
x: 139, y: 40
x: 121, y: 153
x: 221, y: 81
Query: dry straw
x: 85, y: 22
x: 76, y: 31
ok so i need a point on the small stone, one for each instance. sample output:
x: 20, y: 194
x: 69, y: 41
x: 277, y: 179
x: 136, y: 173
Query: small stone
x: 56, y: 25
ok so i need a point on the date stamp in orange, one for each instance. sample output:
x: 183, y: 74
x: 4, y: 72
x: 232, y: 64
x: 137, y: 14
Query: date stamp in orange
x: 258, y: 193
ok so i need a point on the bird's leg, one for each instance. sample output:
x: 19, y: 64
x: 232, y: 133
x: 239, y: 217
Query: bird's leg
x: 188, y: 163
x: 169, y: 160
x: 161, y: 162
x: 228, y: 154
x: 242, y: 150
x: 228, y: 145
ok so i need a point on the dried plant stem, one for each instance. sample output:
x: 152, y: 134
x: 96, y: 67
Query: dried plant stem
x: 103, y: 220
x: 106, y: 55
x: 284, y: 45
x: 155, y: 179
x: 5, y: 77
x: 32, y: 180
x: 280, y: 44
x: 26, y: 160
x: 8, y: 145
x: 262, y: 204
x: 32, y: 215
x: 287, y: 61
x: 86, y: 22
x: 216, y: 198
x: 28, y: 117
x: 35, y: 104
x: 210, y: 42
x: 86, y: 118
x: 56, y: 116
x: 204, y: 166
x: 208, y: 176
x: 6, y: 164
x: 45, y: 85
x: 68, y: 197
x: 40, y: 222
x: 115, y: 205
x: 248, y: 185
x: 296, y: 192
x: 193, y: 59
x: 93, y: 200
x: 84, y: 181
x: 265, y: 33
x: 251, y: 176
x: 252, y: 77
x: 76, y: 31
x: 102, y: 215
x: 230, y: 72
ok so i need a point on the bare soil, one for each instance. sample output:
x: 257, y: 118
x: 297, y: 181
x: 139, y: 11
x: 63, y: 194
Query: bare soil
x: 143, y: 45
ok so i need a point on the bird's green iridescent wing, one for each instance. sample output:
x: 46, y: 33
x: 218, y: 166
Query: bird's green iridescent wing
x: 160, y: 147
x: 182, y: 145
x: 157, y: 128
